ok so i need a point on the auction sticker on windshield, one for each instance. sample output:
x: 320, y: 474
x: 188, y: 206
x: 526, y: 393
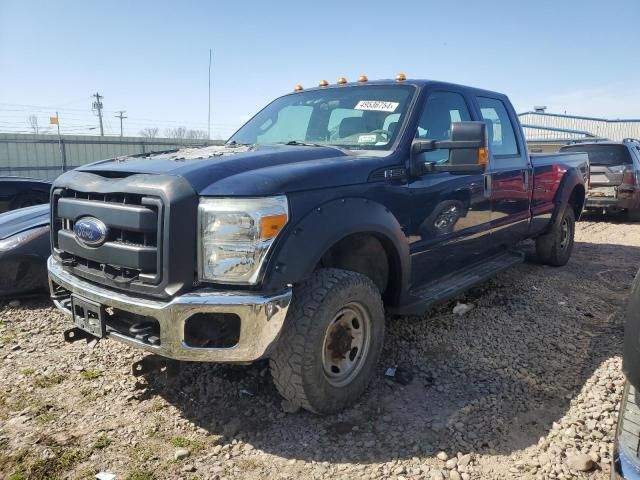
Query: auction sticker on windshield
x: 377, y: 105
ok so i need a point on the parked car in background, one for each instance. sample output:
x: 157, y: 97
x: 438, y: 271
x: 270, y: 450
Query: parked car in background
x: 614, y: 183
x: 24, y: 248
x: 327, y: 207
x: 21, y: 192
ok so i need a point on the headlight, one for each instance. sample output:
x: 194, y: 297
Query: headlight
x: 19, y: 238
x: 235, y: 234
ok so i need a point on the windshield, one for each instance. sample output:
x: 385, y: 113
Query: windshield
x: 603, y: 155
x: 363, y: 117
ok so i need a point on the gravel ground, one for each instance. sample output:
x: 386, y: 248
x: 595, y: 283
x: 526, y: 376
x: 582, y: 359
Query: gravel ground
x: 517, y: 387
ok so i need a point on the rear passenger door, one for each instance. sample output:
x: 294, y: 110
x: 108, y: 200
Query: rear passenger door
x: 509, y: 181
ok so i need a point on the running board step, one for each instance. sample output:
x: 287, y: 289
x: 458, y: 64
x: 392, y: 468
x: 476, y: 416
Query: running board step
x: 424, y: 297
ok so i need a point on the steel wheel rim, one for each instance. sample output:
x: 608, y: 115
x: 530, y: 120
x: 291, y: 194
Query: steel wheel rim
x: 447, y: 217
x: 346, y: 344
x: 564, y: 234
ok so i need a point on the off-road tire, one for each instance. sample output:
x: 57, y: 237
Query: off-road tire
x: 550, y: 248
x: 297, y: 363
x: 633, y: 215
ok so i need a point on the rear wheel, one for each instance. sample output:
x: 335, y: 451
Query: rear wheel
x: 555, y: 247
x: 633, y: 215
x: 331, y: 341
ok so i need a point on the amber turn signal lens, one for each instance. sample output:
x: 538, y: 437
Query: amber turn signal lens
x: 483, y: 156
x: 323, y: 83
x: 271, y: 225
x: 363, y: 78
x: 342, y: 81
x: 401, y: 77
x: 298, y: 88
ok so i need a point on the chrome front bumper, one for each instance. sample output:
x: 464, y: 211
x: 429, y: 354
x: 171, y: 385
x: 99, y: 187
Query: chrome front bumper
x: 261, y: 317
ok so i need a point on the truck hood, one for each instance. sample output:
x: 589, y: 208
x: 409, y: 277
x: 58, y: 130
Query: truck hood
x: 17, y: 221
x: 247, y: 170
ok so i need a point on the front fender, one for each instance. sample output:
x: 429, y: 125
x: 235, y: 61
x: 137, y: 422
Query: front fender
x: 307, y: 240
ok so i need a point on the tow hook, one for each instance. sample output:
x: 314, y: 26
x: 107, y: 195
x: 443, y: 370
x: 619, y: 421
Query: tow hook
x: 75, y: 334
x: 156, y: 363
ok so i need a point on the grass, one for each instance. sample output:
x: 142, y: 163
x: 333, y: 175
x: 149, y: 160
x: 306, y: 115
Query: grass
x: 90, y: 374
x: 141, y: 453
x: 46, y: 381
x: 89, y: 394
x: 8, y: 336
x: 27, y: 372
x: 55, y: 467
x: 139, y: 474
x: 181, y: 442
x: 157, y: 405
x: 102, y: 442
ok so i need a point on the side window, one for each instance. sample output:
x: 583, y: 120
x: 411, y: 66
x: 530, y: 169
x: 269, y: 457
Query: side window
x: 502, y: 137
x: 440, y: 110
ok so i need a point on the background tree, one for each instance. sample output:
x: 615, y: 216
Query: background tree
x: 149, y: 132
x: 33, y: 123
x: 178, y: 133
x: 193, y: 134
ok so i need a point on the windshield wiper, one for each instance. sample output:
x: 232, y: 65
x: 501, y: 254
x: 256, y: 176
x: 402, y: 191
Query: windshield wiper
x: 301, y: 144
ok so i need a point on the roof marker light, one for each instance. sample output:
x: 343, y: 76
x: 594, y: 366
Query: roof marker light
x: 323, y: 83
x: 298, y: 88
x: 363, y: 78
x: 342, y: 81
x: 401, y: 77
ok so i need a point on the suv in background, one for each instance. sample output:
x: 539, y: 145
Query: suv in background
x: 614, y: 183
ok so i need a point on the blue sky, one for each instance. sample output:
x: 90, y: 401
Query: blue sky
x: 150, y: 57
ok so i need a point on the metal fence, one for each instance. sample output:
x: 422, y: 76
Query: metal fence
x: 47, y: 156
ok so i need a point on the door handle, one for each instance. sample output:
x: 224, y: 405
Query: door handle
x: 487, y: 184
x: 525, y: 179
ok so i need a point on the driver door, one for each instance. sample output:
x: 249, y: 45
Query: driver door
x: 451, y: 213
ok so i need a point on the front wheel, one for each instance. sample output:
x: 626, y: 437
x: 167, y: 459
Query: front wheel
x: 331, y: 342
x: 555, y: 247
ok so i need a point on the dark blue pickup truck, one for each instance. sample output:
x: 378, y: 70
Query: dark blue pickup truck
x: 329, y: 206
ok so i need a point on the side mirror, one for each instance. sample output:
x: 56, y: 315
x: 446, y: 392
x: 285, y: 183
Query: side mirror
x: 468, y: 150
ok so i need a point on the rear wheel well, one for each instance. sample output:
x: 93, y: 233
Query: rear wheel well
x: 368, y: 254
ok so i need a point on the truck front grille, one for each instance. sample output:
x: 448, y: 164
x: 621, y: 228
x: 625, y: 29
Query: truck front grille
x: 133, y: 249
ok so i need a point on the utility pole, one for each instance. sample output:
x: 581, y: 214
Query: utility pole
x: 209, y: 115
x: 97, y: 105
x: 121, y: 115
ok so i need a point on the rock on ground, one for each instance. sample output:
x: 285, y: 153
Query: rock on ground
x: 515, y: 388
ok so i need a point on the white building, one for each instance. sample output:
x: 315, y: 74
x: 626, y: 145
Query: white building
x: 547, y: 132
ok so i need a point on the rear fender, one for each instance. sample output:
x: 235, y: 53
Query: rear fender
x: 572, y: 178
x: 308, y: 240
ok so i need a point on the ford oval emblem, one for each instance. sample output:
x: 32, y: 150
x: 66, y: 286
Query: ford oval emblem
x: 90, y: 231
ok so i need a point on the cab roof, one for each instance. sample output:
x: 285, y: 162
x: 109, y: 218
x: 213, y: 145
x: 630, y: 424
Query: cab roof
x: 419, y: 83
